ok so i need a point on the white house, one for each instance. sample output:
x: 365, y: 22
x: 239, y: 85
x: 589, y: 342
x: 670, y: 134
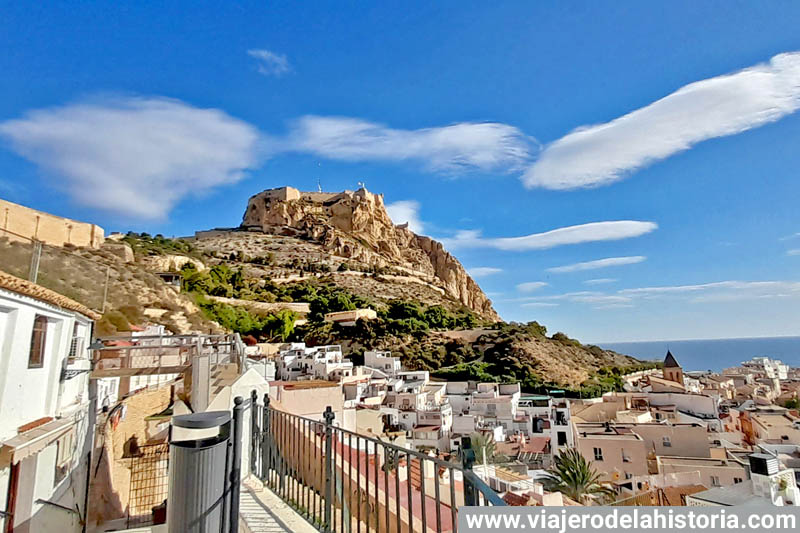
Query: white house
x: 384, y: 362
x: 550, y: 416
x: 46, y: 416
x: 319, y: 362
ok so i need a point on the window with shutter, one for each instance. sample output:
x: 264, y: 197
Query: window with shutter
x: 38, y: 342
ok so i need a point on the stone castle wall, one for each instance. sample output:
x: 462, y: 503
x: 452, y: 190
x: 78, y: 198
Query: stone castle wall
x: 319, y: 197
x: 18, y: 222
x: 286, y: 194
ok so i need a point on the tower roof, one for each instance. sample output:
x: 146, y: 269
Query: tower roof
x: 670, y: 362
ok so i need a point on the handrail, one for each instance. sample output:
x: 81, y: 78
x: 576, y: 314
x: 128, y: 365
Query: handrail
x: 59, y: 506
x: 341, y: 480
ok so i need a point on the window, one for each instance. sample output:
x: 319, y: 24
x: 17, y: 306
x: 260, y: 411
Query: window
x: 715, y: 481
x: 598, y: 454
x: 64, y: 450
x: 38, y: 341
x: 562, y: 438
x: 625, y: 458
x: 737, y: 480
x: 667, y: 442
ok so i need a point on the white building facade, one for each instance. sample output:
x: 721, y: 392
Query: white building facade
x: 46, y: 416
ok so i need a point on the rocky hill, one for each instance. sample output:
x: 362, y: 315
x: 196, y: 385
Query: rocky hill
x: 356, y: 227
x: 297, y: 256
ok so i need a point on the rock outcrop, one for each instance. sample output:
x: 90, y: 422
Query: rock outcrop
x: 170, y: 262
x: 355, y: 225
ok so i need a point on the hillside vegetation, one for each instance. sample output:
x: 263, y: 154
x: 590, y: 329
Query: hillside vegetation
x: 439, y: 335
x: 338, y: 255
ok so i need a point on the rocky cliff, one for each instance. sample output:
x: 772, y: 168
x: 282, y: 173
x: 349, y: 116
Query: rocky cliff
x: 355, y: 225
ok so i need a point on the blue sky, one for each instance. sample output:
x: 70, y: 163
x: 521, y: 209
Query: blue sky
x: 647, y: 154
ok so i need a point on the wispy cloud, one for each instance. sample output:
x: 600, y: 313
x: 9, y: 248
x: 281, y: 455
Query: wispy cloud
x: 789, y: 237
x: 540, y: 304
x: 601, y: 299
x: 793, y: 251
x: 715, y: 292
x: 485, y: 146
x: 270, y: 63
x: 531, y: 286
x: 406, y: 212
x: 598, y: 263
x: 581, y: 297
x: 599, y: 281
x: 615, y: 306
x: 135, y: 156
x: 139, y: 156
x: 719, y: 290
x: 725, y: 105
x: 592, y: 232
x: 482, y: 272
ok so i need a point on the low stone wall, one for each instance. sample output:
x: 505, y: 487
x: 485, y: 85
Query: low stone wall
x: 302, y: 308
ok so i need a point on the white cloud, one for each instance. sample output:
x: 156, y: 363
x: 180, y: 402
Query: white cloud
x: 531, y: 286
x: 136, y: 156
x: 602, y: 299
x: 794, y: 251
x: 615, y: 306
x: 482, y: 272
x: 599, y: 263
x: 716, y: 292
x: 600, y: 281
x: 140, y: 155
x: 716, y: 107
x: 720, y: 291
x: 592, y: 232
x: 486, y: 146
x: 406, y: 212
x: 583, y: 297
x: 789, y: 237
x: 270, y: 63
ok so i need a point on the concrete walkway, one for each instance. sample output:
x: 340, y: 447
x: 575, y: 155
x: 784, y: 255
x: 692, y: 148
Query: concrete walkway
x: 261, y: 511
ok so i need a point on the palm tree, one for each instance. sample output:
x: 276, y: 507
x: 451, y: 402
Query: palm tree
x: 574, y: 476
x: 485, y: 449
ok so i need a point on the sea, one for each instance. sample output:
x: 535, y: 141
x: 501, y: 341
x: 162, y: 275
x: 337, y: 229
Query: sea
x: 715, y: 354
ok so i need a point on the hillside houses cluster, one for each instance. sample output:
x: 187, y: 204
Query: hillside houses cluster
x: 671, y: 436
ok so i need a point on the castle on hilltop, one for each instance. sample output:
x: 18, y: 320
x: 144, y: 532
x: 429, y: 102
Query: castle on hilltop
x: 285, y: 194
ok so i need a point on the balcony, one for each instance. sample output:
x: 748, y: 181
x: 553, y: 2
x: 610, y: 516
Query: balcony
x: 165, y: 354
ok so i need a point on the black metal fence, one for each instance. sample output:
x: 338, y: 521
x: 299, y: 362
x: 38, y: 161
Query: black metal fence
x: 341, y: 481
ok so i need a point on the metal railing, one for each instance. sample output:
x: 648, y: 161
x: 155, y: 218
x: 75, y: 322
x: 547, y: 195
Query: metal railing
x: 165, y: 351
x: 341, y: 481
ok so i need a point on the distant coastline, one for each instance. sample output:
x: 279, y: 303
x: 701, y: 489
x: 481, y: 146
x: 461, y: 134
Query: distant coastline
x: 713, y: 354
